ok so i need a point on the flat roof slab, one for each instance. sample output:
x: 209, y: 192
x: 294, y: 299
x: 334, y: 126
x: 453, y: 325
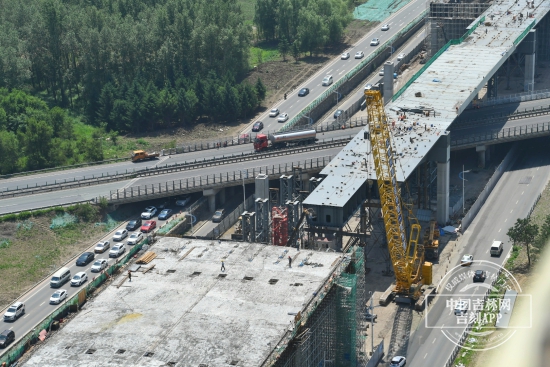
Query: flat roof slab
x: 182, y: 311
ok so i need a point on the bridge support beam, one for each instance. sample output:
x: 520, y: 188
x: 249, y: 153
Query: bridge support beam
x: 211, y: 195
x: 441, y: 153
x: 529, y: 47
x: 481, y: 149
x: 388, y: 81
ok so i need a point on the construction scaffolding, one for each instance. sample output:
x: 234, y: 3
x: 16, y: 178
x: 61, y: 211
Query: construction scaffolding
x: 449, y: 19
x: 332, y: 331
x: 279, y: 220
x: 262, y: 220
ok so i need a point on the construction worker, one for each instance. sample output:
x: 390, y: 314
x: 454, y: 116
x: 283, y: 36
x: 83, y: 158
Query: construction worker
x: 285, y: 95
x: 129, y: 276
x: 289, y: 261
x: 223, y: 266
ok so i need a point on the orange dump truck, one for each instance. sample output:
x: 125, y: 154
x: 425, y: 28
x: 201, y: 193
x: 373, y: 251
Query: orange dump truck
x: 141, y: 155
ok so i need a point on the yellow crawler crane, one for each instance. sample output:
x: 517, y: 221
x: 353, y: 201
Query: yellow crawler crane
x: 407, y: 256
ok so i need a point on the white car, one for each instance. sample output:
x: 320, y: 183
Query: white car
x: 183, y: 201
x: 135, y: 238
x: 274, y: 112
x: 99, y: 265
x: 398, y: 361
x: 282, y: 117
x: 102, y: 247
x: 345, y: 56
x: 120, y: 235
x: 467, y: 260
x: 149, y: 212
x: 368, y: 87
x: 58, y: 297
x: 381, y: 72
x: 400, y: 57
x: 386, y: 27
x: 15, y: 310
x: 375, y: 42
x: 461, y: 308
x: 327, y: 80
x: 117, y: 250
x: 78, y: 279
x: 359, y: 54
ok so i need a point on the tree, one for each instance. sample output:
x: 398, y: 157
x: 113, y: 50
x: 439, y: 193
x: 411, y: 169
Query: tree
x: 295, y: 49
x: 265, y: 18
x: 38, y: 144
x: 284, y: 47
x: 523, y: 233
x: 544, y: 233
x: 260, y: 90
x: 9, y: 151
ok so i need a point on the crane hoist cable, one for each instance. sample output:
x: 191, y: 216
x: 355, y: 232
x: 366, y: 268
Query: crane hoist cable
x: 407, y: 256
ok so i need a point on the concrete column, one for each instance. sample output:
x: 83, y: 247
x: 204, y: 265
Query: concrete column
x: 211, y: 195
x: 488, y: 154
x: 441, y: 153
x: 481, y: 149
x: 221, y: 195
x: 388, y: 81
x: 529, y: 82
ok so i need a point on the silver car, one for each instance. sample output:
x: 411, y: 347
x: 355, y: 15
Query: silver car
x: 375, y: 42
x: 283, y: 117
x: 274, y: 112
x: 117, y: 250
x: 400, y: 57
x: 15, y: 310
x: 345, y: 56
x: 99, y: 265
x: 135, y: 238
x: 58, y: 297
x: 120, y: 235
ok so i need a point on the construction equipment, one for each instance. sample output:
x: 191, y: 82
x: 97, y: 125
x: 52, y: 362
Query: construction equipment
x: 431, y: 241
x: 296, y: 230
x: 407, y: 256
x: 141, y: 155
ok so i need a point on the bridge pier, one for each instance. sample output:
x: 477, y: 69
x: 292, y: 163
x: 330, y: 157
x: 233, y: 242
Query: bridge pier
x: 528, y: 46
x: 441, y: 153
x: 211, y: 195
x: 481, y: 156
x: 388, y: 81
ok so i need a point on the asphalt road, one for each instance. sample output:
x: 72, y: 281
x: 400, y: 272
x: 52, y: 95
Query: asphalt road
x: 338, y: 68
x: 509, y: 200
x: 36, y: 301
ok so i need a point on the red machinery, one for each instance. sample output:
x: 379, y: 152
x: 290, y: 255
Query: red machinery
x: 280, y: 226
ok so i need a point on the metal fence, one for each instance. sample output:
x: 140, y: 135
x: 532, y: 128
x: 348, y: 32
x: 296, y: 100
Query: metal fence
x: 365, y: 63
x: 518, y: 97
x: 215, y: 180
x: 230, y: 219
x: 376, y: 356
x: 506, y: 134
x: 502, y: 167
x: 31, y: 338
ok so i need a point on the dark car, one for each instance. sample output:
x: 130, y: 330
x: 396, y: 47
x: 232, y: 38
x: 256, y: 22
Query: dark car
x: 338, y: 113
x: 6, y: 337
x: 218, y: 215
x: 165, y: 214
x: 479, y: 276
x: 258, y: 125
x: 133, y: 225
x: 85, y: 259
x: 303, y: 92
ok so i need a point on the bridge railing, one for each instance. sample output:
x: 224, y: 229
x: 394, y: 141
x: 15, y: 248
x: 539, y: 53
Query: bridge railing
x: 215, y: 180
x: 506, y: 134
x: 436, y: 56
x: 334, y: 87
x: 524, y: 33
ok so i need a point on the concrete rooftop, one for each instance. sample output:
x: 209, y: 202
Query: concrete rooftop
x: 446, y: 89
x: 193, y: 320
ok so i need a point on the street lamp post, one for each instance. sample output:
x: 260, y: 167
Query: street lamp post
x: 243, y: 173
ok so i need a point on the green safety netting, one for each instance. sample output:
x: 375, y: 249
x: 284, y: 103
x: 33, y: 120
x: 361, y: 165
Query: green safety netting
x: 63, y: 220
x: 377, y: 10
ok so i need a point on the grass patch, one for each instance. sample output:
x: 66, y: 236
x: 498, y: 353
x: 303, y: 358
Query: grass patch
x: 268, y: 51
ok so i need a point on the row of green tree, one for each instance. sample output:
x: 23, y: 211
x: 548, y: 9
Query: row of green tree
x: 80, y: 52
x: 33, y: 136
x: 302, y: 25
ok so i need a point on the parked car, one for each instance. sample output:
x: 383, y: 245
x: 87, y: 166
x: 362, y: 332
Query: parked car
x: 133, y: 225
x: 99, y: 265
x: 400, y: 57
x: 15, y: 310
x: 467, y: 260
x: 165, y: 214
x: 148, y: 226
x: 85, y: 259
x: 117, y: 250
x: 338, y: 113
x: 6, y: 337
x: 398, y: 361
x: 120, y: 235
x: 327, y: 80
x: 218, y: 215
x: 134, y: 238
x: 303, y: 92
x: 359, y: 54
x: 282, y: 117
x: 375, y: 42
x: 78, y: 279
x: 386, y: 27
x: 258, y: 125
x: 183, y: 201
x: 101, y: 247
x: 479, y: 276
x: 274, y: 112
x: 149, y: 212
x: 345, y: 56
x: 58, y: 296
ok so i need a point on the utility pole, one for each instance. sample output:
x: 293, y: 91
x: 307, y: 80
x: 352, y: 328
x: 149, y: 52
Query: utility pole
x: 244, y: 172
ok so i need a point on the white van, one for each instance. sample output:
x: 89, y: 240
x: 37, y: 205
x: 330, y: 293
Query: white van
x: 496, y: 248
x: 327, y: 80
x: 60, y: 277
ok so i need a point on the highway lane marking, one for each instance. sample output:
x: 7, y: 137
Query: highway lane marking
x: 522, y: 192
x: 341, y: 72
x: 328, y: 72
x: 425, y: 355
x: 488, y: 250
x: 517, y: 202
x: 401, y: 24
x: 505, y: 220
x: 434, y: 340
x: 25, y: 315
x: 11, y: 327
x: 511, y: 210
x: 499, y: 230
x: 70, y: 196
x: 10, y: 205
x: 42, y: 303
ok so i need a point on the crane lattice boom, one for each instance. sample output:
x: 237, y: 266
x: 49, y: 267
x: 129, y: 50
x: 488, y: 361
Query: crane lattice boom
x: 406, y: 256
